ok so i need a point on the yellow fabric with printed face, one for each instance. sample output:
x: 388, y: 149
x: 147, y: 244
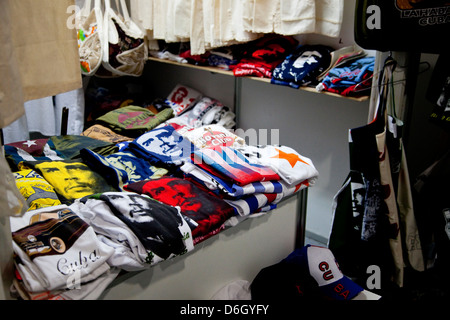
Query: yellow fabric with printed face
x: 35, y: 189
x: 72, y: 180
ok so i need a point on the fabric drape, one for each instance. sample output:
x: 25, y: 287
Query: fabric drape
x: 208, y: 24
x: 37, y: 41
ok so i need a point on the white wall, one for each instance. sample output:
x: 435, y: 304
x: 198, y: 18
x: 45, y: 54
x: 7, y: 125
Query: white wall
x: 316, y: 126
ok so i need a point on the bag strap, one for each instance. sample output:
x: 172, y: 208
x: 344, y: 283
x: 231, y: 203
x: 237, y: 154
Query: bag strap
x: 97, y: 4
x: 126, y: 15
x: 84, y: 12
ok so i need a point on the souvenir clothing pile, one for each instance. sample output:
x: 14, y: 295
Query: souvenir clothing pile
x: 252, y: 179
x: 354, y: 78
x: 302, y: 66
x: 285, y: 61
x: 141, y: 187
x: 263, y: 55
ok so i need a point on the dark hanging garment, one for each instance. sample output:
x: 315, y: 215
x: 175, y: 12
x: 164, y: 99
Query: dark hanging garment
x: 402, y: 25
x: 361, y: 232
x: 431, y: 199
x: 438, y: 92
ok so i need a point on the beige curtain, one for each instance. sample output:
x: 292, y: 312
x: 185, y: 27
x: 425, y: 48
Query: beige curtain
x: 209, y: 24
x: 39, y: 53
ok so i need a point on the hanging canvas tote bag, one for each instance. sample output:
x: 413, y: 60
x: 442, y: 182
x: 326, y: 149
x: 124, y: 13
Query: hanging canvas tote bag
x: 124, y: 49
x: 360, y: 205
x: 89, y: 29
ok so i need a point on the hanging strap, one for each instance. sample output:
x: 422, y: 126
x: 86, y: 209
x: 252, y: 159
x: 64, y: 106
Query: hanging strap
x: 84, y: 12
x: 383, y: 84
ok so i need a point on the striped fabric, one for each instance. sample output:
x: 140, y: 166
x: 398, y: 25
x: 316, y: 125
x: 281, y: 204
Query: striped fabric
x: 232, y: 165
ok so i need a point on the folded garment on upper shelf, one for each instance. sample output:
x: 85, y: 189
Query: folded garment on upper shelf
x: 223, y: 57
x: 302, y: 66
x: 261, y: 56
x: 207, y: 211
x: 353, y: 78
x: 57, y: 250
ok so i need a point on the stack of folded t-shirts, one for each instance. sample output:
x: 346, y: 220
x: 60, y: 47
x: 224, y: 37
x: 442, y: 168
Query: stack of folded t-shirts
x: 207, y: 214
x: 211, y: 136
x: 302, y: 66
x: 141, y: 230
x: 192, y: 108
x: 224, y: 57
x: 252, y: 179
x: 352, y: 79
x: 58, y: 256
x: 208, y: 111
x: 132, y: 121
x: 121, y: 167
x: 251, y: 184
x: 261, y: 56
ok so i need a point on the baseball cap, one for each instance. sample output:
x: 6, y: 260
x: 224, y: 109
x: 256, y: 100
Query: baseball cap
x: 284, y: 282
x: 324, y: 269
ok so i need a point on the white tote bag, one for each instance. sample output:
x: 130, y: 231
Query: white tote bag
x: 124, y: 47
x: 89, y: 28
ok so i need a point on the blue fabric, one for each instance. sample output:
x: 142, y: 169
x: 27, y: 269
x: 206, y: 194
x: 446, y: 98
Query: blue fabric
x: 302, y: 66
x: 163, y: 146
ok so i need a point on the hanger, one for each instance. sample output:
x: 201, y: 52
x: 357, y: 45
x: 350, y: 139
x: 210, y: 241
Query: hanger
x: 393, y: 82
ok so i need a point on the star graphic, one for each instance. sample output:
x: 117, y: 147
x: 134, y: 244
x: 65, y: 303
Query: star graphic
x: 291, y: 157
x: 30, y: 143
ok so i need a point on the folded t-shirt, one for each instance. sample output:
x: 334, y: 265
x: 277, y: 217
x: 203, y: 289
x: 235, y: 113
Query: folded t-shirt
x: 163, y: 146
x: 212, y: 136
x: 302, y: 66
x: 206, y: 210
x: 159, y: 227
x: 291, y: 166
x: 133, y: 121
x: 232, y: 165
x: 37, y: 192
x: 54, y: 245
x: 71, y: 179
x: 121, y: 167
x: 182, y: 98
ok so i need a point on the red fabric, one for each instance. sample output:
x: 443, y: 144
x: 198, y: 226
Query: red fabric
x: 208, y: 211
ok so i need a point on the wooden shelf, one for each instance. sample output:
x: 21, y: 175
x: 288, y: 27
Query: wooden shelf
x: 267, y: 80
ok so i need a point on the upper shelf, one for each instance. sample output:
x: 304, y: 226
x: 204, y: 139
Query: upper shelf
x: 267, y: 80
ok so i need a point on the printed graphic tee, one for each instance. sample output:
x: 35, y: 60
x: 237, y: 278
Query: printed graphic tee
x: 206, y: 210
